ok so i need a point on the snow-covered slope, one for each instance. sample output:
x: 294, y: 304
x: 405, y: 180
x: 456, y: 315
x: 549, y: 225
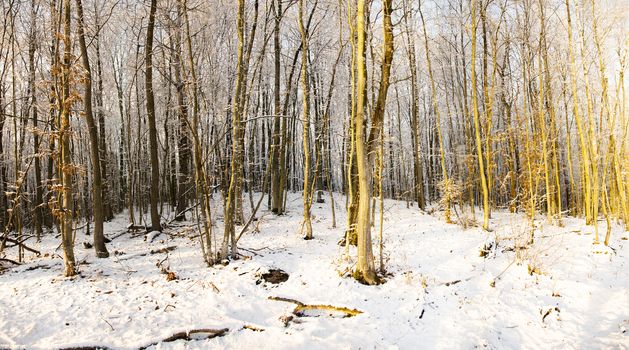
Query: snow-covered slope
x: 440, y: 293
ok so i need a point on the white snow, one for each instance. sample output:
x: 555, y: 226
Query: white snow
x: 438, y: 292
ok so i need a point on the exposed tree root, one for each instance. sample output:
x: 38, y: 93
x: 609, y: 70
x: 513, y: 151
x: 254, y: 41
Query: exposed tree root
x: 301, y: 308
x: 370, y: 278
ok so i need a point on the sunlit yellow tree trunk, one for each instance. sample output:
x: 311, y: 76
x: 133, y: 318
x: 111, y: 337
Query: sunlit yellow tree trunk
x: 541, y: 113
x: 593, y: 146
x: 479, y: 147
x: 611, y: 122
x: 585, y: 154
x: 305, y: 88
x: 365, y: 270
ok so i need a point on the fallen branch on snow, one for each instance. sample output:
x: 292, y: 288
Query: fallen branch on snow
x: 253, y: 328
x: 301, y: 307
x: 197, y: 334
x: 151, y: 252
x: 11, y: 261
x: 21, y: 243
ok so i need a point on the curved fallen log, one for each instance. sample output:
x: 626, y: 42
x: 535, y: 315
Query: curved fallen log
x: 301, y: 309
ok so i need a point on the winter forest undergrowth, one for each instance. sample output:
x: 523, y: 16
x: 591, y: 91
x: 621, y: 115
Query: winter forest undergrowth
x: 194, y: 174
x: 446, y: 287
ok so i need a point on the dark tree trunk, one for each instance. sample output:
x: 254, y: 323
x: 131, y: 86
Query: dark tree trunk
x: 150, y: 111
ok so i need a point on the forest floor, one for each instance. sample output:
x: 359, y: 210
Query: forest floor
x: 562, y: 292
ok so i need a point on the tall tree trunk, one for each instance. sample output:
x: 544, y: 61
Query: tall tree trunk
x: 277, y: 188
x: 446, y: 186
x: 3, y: 171
x: 108, y: 213
x: 203, y: 190
x: 418, y: 183
x: 365, y: 270
x: 305, y: 87
x: 585, y: 154
x: 237, y: 146
x: 150, y: 111
x: 64, y: 168
x: 38, y: 218
x: 183, y: 141
x: 593, y: 143
x: 479, y: 151
x: 617, y: 164
x: 97, y: 203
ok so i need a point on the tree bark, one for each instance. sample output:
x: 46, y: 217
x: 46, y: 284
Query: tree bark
x: 277, y: 188
x: 150, y: 111
x: 64, y: 168
x: 97, y: 190
x: 305, y: 87
x: 479, y: 151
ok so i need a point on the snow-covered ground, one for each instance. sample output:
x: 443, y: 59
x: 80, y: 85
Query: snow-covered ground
x: 440, y: 293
